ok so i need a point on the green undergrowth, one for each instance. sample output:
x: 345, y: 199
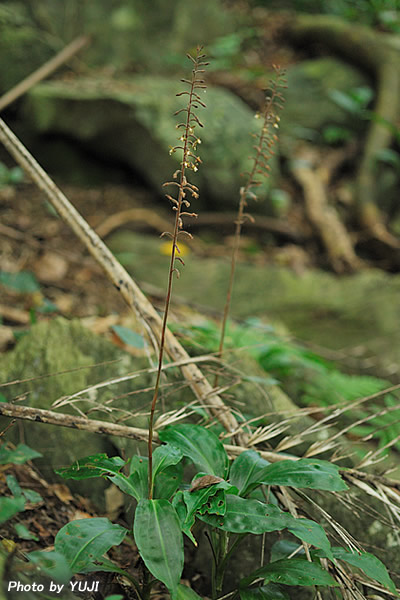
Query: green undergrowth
x: 308, y: 378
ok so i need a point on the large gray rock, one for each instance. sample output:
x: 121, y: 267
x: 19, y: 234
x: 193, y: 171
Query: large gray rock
x: 310, y: 107
x: 132, y: 122
x: 319, y: 307
x: 57, y: 358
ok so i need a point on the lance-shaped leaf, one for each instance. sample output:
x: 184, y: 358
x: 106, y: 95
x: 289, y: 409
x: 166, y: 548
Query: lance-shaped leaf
x: 158, y: 537
x: 246, y: 470
x: 186, y: 593
x: 96, y: 465
x: 139, y: 476
x: 291, y: 571
x: 247, y: 516
x: 304, y: 473
x: 99, y: 465
x: 186, y: 520
x: 167, y: 477
x: 84, y: 541
x: 310, y: 532
x: 365, y: 561
x: 200, y: 445
x: 164, y: 457
x: 54, y: 564
x: 272, y: 591
x: 284, y: 548
x: 167, y: 481
x: 18, y: 455
x: 10, y: 506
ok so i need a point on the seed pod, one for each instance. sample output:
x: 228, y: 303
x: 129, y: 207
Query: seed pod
x: 204, y: 482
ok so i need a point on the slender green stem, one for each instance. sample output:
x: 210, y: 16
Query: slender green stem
x: 212, y: 541
x: 135, y: 584
x: 179, y: 203
x: 259, y: 159
x: 223, y: 541
x: 231, y: 550
x: 147, y: 584
x: 162, y: 341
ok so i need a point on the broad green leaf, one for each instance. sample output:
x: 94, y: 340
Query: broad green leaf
x: 54, y: 564
x: 24, y: 282
x: 165, y: 456
x: 186, y: 593
x: 24, y: 533
x: 13, y: 485
x: 245, y: 470
x: 167, y: 481
x: 186, y: 520
x: 99, y: 465
x: 158, y: 537
x: 167, y: 478
x: 292, y: 571
x: 196, y: 500
x: 126, y: 485
x: 96, y: 465
x: 284, y: 548
x: 304, y: 473
x: 310, y: 532
x: 251, y: 516
x: 129, y: 337
x: 18, y: 456
x: 10, y: 507
x: 200, y: 445
x: 115, y: 597
x: 368, y: 563
x: 215, y: 505
x: 266, y: 592
x: 32, y: 496
x: 138, y: 477
x: 210, y: 500
x: 84, y: 541
x: 105, y: 565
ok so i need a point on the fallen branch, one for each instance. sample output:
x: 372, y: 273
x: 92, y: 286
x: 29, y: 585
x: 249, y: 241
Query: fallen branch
x: 44, y: 71
x: 39, y: 415
x: 129, y: 290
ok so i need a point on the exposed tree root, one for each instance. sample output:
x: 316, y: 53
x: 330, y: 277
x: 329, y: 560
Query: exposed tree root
x: 322, y: 215
x: 379, y: 54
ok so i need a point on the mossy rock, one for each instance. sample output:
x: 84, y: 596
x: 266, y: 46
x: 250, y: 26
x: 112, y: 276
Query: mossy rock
x: 57, y: 358
x: 310, y: 107
x: 319, y: 307
x: 140, y: 127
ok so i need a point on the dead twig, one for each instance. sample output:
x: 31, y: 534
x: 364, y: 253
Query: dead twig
x: 40, y: 415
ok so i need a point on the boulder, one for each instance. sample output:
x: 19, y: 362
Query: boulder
x: 131, y: 122
x: 57, y: 358
x: 310, y: 107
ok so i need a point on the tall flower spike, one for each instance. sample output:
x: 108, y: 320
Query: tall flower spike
x: 263, y: 150
x: 189, y: 141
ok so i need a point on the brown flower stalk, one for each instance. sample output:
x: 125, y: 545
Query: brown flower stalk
x: 190, y: 161
x: 263, y: 152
